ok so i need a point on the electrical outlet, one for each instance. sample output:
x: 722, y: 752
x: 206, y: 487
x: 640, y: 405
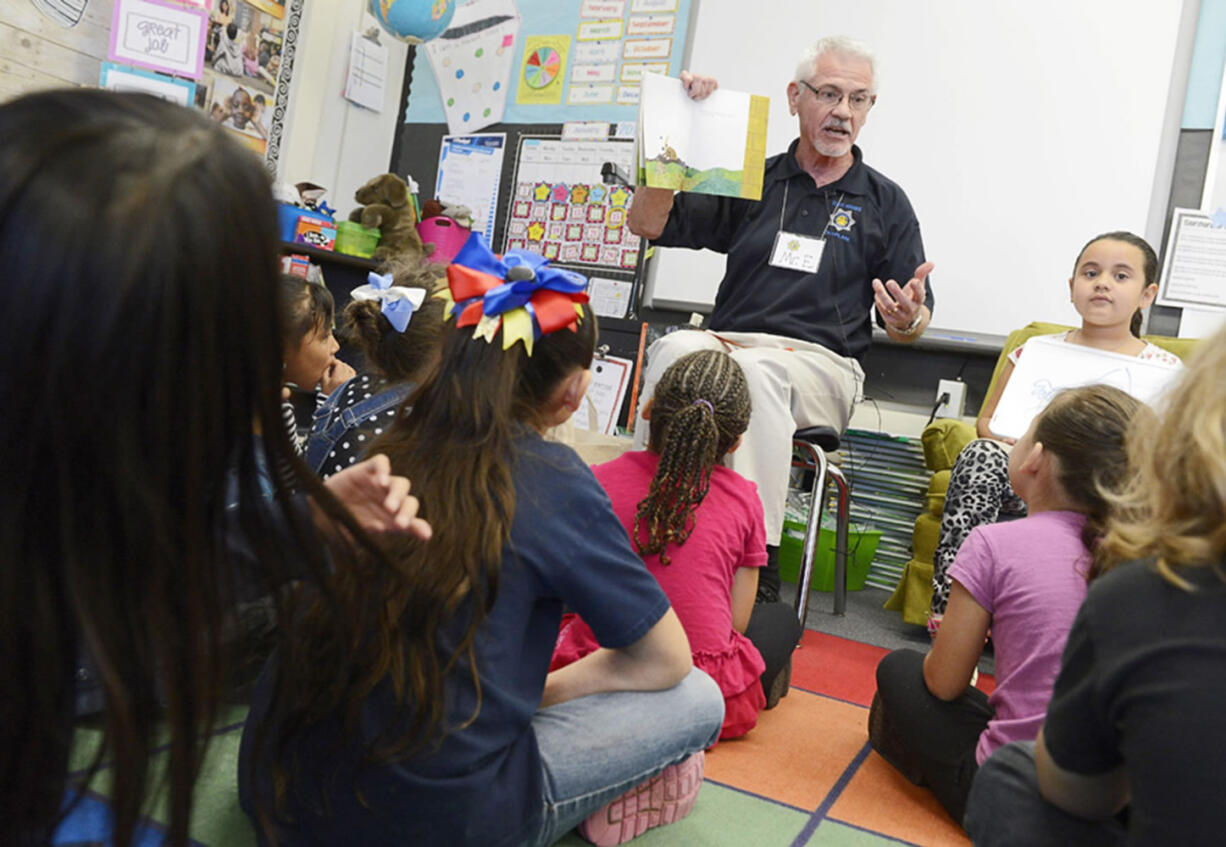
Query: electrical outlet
x: 953, y: 407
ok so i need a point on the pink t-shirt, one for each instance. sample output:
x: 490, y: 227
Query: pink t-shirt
x: 728, y: 535
x: 1030, y: 576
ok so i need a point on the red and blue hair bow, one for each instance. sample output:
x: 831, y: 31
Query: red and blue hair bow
x: 519, y: 292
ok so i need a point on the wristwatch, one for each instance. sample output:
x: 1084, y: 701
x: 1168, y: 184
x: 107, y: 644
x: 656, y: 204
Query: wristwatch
x: 914, y: 325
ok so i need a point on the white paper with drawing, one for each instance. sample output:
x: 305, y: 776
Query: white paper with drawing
x: 603, y: 401
x: 1049, y: 364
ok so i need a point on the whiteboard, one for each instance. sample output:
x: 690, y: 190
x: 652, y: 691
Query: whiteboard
x: 1050, y: 364
x: 1018, y: 130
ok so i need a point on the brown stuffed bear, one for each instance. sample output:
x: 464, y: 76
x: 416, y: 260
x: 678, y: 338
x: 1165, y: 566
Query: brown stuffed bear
x: 387, y: 207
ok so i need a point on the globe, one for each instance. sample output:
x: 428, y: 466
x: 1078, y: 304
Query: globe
x: 413, y: 21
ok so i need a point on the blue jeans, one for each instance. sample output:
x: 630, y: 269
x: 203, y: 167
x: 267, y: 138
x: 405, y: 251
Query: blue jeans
x: 596, y: 748
x: 1005, y: 808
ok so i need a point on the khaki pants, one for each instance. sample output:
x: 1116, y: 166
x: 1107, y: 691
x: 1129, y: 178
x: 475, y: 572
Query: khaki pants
x: 793, y: 384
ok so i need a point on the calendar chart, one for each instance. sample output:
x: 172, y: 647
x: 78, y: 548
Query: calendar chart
x: 560, y: 208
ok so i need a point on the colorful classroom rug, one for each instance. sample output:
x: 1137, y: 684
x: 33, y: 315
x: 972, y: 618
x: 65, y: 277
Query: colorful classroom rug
x: 805, y: 777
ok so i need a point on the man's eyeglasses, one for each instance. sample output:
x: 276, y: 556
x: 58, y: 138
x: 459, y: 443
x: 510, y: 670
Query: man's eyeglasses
x: 828, y: 96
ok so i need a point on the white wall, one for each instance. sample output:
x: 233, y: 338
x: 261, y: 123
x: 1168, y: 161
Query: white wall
x: 328, y: 140
x: 1018, y: 131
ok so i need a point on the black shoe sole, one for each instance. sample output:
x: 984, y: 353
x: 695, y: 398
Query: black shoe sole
x: 885, y: 742
x: 779, y: 686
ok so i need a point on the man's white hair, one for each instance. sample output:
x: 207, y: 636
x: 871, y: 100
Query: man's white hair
x: 807, y: 66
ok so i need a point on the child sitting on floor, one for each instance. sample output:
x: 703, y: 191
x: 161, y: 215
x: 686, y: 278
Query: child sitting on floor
x: 145, y: 334
x: 309, y: 347
x: 698, y: 526
x: 1025, y: 580
x: 397, y: 328
x: 1135, y: 715
x: 448, y: 728
x: 1114, y: 278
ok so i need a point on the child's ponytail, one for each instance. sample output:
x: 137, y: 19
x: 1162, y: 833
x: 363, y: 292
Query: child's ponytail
x: 1086, y: 429
x: 699, y: 410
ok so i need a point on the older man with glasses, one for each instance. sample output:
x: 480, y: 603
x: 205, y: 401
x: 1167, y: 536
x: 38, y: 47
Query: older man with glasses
x: 805, y: 265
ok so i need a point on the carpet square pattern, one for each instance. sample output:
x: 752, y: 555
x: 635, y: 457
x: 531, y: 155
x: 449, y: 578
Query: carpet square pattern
x: 804, y: 777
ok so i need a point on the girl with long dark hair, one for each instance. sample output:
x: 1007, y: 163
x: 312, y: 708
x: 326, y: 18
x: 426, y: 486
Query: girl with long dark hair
x: 448, y: 729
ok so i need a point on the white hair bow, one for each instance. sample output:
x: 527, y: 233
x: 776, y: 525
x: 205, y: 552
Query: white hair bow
x: 399, y: 302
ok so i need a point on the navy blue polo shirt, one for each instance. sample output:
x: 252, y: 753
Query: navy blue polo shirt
x: 870, y: 230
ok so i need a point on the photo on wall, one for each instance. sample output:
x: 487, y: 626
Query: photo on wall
x: 241, y: 108
x: 243, y: 52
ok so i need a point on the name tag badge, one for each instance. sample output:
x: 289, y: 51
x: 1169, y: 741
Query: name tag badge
x: 797, y: 252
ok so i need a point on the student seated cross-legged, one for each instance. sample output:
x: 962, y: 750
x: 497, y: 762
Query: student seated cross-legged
x: 449, y: 728
x: 1135, y: 716
x: 1023, y: 579
x: 698, y: 526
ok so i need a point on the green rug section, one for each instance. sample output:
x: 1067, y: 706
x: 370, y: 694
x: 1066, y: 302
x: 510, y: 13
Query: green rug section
x: 722, y: 817
x: 832, y: 834
x: 216, y: 816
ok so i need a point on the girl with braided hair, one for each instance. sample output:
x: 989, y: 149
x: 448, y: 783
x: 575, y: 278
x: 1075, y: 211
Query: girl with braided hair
x: 698, y: 526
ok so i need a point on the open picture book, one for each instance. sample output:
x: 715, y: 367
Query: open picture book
x: 712, y: 146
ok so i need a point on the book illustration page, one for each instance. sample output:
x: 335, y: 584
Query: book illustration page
x: 706, y: 146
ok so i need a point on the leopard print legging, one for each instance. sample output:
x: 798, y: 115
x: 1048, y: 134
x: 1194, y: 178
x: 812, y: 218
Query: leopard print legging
x: 979, y: 493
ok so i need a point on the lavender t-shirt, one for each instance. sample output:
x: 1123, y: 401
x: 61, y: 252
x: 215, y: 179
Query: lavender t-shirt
x: 1030, y: 575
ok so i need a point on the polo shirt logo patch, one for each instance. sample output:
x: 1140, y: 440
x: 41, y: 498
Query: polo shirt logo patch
x: 842, y: 219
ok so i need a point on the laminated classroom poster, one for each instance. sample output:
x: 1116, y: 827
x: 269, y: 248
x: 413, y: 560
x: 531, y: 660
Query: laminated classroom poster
x: 579, y: 60
x: 472, y: 63
x: 469, y: 170
x: 158, y: 37
x: 242, y: 63
x: 119, y: 78
x: 542, y: 70
x: 1194, y: 271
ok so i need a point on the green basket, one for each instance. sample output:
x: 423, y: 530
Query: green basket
x: 861, y: 543
x: 356, y: 240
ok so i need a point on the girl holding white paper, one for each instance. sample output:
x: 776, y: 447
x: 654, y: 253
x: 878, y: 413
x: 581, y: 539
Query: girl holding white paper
x: 1114, y: 278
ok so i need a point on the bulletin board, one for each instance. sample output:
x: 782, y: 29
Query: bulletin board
x: 566, y: 61
x: 614, y: 252
x: 535, y: 65
x: 563, y: 60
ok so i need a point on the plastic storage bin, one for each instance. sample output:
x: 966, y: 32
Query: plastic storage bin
x: 861, y: 545
x: 356, y: 240
x: 287, y: 219
x: 446, y: 235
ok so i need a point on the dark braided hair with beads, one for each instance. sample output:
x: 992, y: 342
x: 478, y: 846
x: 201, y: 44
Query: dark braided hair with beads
x: 699, y: 410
